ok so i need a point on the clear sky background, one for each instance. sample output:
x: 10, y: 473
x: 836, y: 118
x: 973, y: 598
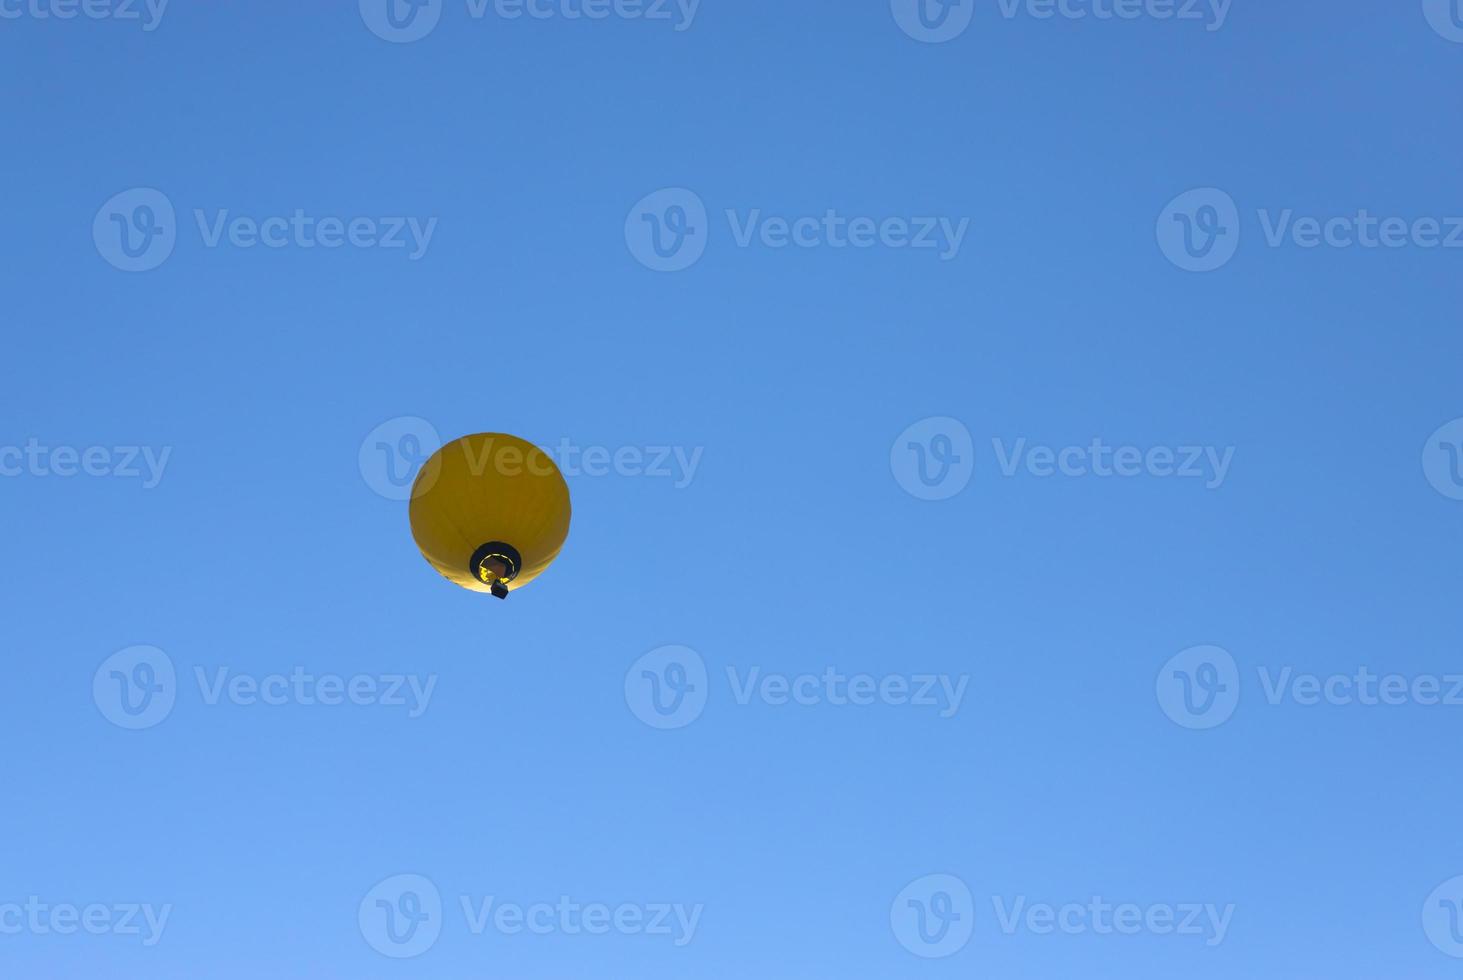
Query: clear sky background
x: 794, y: 548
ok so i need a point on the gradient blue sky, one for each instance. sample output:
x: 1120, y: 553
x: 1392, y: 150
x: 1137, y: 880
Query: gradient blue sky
x: 794, y: 549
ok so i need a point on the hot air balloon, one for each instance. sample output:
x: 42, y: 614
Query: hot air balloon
x: 490, y: 512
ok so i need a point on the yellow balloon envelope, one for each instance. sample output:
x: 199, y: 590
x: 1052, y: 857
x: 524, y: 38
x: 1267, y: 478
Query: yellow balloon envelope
x: 490, y: 512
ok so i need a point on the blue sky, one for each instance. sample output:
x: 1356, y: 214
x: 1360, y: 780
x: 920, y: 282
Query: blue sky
x: 1014, y: 460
